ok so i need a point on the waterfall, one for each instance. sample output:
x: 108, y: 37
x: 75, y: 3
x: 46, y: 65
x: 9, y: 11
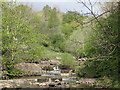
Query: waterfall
x: 55, y: 68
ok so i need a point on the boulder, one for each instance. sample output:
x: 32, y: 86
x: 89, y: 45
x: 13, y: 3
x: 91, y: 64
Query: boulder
x: 59, y: 83
x: 41, y: 80
x: 42, y: 84
x: 57, y: 80
x: 54, y: 62
x: 51, y: 85
x: 77, y: 82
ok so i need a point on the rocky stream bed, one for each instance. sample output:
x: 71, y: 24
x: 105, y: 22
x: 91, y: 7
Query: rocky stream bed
x: 53, y: 78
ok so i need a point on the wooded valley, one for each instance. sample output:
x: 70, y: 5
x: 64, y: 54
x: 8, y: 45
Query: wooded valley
x: 29, y: 36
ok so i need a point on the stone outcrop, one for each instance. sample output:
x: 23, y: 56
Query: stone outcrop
x: 30, y: 67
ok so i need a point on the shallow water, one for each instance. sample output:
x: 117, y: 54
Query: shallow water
x: 53, y: 75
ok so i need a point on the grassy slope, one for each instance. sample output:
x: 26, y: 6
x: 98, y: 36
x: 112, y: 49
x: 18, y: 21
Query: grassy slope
x: 66, y: 58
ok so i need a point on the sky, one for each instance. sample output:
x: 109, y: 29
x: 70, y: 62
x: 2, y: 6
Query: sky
x: 63, y: 0
x: 65, y: 5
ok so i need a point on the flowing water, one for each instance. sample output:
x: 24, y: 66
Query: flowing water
x: 52, y: 76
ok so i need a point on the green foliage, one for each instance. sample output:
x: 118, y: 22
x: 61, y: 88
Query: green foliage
x: 29, y: 36
x: 71, y: 16
x: 67, y: 30
x: 71, y: 21
x: 57, y: 40
x: 47, y: 10
x: 68, y: 60
x: 19, y: 41
x: 103, y: 50
x: 53, y: 20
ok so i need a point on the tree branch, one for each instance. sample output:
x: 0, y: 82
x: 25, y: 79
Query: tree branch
x: 95, y: 18
x: 91, y: 12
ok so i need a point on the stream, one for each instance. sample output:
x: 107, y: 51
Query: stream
x: 56, y: 77
x: 52, y: 78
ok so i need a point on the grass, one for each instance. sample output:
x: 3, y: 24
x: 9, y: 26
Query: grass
x: 65, y: 58
x: 52, y: 54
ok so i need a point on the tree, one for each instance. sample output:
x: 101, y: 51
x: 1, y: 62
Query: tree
x: 71, y: 16
x: 102, y: 48
x: 47, y: 10
x: 53, y: 20
x: 20, y: 42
